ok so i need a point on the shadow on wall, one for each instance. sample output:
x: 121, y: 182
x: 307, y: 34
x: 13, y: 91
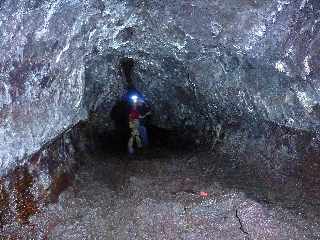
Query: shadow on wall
x: 126, y: 68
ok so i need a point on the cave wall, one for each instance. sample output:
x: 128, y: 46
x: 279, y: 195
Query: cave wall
x: 28, y: 188
x: 279, y: 155
x: 42, y: 75
x: 253, y: 66
x: 42, y: 71
x: 255, y: 59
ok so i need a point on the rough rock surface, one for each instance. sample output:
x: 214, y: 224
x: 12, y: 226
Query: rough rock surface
x: 157, y: 196
x: 28, y: 188
x: 229, y: 60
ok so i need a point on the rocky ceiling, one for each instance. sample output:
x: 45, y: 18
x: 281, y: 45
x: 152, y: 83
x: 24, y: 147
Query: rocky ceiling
x: 240, y: 62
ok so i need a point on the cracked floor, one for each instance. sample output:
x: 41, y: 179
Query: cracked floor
x: 170, y: 195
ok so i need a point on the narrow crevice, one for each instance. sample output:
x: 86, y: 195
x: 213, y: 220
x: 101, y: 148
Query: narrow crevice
x: 241, y: 224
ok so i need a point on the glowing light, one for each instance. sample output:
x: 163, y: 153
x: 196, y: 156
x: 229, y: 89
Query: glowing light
x: 134, y: 98
x: 280, y: 66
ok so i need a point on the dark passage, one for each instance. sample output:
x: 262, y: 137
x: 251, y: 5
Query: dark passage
x: 116, y: 140
x: 169, y: 193
x: 173, y: 186
x: 159, y: 120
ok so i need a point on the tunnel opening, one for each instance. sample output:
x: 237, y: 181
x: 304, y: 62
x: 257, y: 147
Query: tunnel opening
x: 176, y: 173
x: 115, y: 136
x: 115, y: 139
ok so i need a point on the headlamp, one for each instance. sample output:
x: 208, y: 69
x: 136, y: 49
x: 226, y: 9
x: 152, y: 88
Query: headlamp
x: 134, y: 98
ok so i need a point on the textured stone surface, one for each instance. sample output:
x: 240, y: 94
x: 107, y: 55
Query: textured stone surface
x: 157, y: 197
x: 28, y: 188
x: 242, y: 62
x: 42, y: 75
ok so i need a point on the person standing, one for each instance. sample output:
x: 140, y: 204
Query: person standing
x: 134, y: 125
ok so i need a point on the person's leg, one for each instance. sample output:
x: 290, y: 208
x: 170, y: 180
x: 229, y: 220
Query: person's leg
x: 144, y: 135
x: 138, y: 141
x: 130, y: 145
x: 136, y: 136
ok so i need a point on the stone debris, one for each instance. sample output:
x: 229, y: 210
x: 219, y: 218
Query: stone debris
x: 154, y: 203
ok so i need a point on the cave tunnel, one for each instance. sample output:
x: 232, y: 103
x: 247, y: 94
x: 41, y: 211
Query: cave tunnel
x: 233, y: 131
x: 115, y: 139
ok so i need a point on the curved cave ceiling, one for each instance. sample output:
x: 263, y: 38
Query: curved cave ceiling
x: 198, y: 62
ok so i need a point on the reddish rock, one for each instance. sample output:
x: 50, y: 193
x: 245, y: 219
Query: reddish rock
x: 4, y: 203
x: 60, y: 183
x: 25, y: 202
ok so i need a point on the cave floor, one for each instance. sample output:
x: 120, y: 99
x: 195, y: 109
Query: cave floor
x: 163, y: 194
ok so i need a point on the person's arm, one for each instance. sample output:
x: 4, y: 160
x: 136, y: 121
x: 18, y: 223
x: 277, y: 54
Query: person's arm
x: 143, y: 116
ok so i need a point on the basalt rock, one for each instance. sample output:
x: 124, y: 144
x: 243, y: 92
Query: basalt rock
x: 26, y: 189
x: 252, y: 66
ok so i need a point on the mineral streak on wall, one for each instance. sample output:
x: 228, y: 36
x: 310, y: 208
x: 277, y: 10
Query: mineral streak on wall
x: 27, y: 188
x: 251, y: 65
